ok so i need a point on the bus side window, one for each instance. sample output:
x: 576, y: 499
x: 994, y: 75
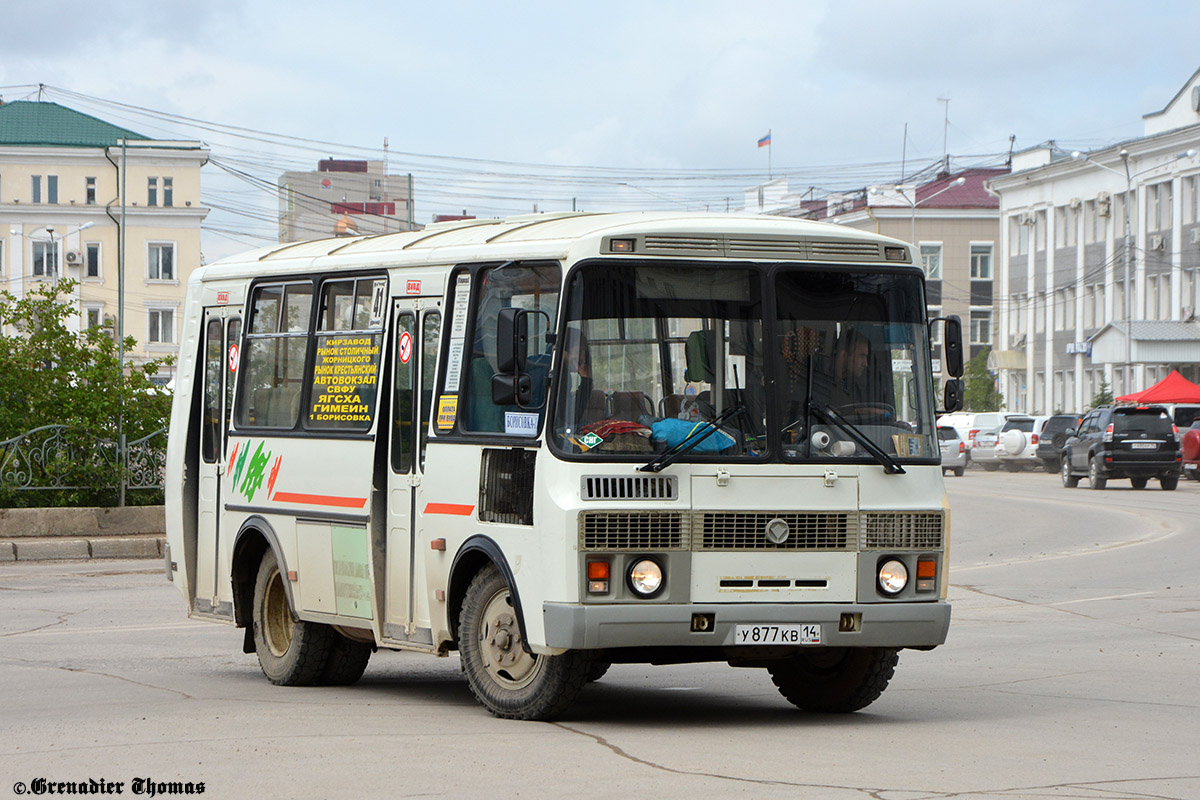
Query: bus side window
x: 276, y: 345
x: 349, y: 340
x: 402, y: 403
x: 429, y: 347
x: 214, y: 361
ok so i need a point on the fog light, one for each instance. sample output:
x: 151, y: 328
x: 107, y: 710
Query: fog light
x: 646, y: 577
x: 893, y: 576
x: 597, y: 587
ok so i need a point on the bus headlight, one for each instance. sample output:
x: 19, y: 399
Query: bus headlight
x: 893, y: 576
x: 645, y: 577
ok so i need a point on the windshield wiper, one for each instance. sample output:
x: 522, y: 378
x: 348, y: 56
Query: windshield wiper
x: 890, y: 465
x: 663, y: 460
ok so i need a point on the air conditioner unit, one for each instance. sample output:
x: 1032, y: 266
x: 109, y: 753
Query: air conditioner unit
x: 1156, y: 242
x: 1026, y: 218
x: 1189, y: 313
x: 1195, y: 236
x: 73, y: 257
x: 1075, y: 203
x: 1018, y: 340
x: 1103, y: 204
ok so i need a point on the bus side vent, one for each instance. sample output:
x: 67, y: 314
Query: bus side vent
x: 844, y: 251
x: 506, y: 486
x: 902, y: 530
x: 626, y: 487
x: 747, y: 530
x: 690, y: 245
x: 766, y: 248
x: 632, y: 530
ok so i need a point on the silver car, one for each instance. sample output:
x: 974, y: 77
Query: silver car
x: 983, y: 452
x: 954, y: 450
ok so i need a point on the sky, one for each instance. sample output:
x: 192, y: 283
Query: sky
x: 498, y: 108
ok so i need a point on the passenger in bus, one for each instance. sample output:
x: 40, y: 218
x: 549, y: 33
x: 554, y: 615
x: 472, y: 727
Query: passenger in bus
x: 577, y: 371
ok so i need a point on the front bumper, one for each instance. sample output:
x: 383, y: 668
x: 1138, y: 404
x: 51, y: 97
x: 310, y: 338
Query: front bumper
x: 593, y: 627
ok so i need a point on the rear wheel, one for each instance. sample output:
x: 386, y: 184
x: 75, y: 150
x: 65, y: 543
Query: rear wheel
x: 1169, y: 482
x: 1096, y: 479
x: 1012, y: 466
x: 991, y: 467
x: 1069, y: 481
x: 1139, y: 483
x: 835, y: 679
x: 291, y: 652
x: 508, y: 681
x: 958, y: 471
x: 347, y: 661
x: 1050, y: 465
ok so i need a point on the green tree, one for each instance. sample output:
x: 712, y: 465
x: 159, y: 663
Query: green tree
x: 1103, y: 397
x: 50, y: 375
x: 981, y: 393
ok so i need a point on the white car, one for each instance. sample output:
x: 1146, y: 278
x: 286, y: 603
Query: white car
x: 954, y: 450
x: 983, y: 450
x: 1016, y: 447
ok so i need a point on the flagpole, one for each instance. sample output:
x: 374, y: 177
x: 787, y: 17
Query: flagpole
x: 769, y: 173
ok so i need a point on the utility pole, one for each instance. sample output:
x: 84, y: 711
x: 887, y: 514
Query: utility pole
x: 945, y: 131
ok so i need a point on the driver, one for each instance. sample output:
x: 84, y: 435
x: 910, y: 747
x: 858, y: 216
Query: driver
x: 851, y: 370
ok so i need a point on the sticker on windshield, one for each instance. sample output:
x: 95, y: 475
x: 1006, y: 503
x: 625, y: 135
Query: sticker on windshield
x: 519, y: 423
x: 590, y: 440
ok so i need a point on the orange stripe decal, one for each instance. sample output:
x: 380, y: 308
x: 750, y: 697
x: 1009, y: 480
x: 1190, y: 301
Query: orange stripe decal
x: 453, y: 509
x: 319, y: 500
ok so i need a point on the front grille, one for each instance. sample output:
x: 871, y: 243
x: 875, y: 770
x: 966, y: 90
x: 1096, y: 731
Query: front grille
x: 902, y: 530
x: 632, y: 530
x: 746, y: 530
x: 625, y: 487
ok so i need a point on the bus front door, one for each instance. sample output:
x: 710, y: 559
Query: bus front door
x: 222, y: 333
x: 415, y: 339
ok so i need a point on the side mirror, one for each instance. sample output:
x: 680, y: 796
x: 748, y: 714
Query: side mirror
x: 1070, y: 432
x: 512, y: 340
x: 510, y: 390
x: 953, y: 398
x: 952, y: 346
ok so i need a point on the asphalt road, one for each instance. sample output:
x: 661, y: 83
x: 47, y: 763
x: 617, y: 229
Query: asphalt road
x: 1071, y: 672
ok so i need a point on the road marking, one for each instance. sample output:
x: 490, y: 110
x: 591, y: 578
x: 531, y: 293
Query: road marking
x: 68, y: 631
x: 1095, y: 599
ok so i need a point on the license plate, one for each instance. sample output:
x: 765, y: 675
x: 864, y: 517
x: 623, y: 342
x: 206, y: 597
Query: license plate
x: 1189, y: 466
x: 1143, y: 445
x: 797, y: 633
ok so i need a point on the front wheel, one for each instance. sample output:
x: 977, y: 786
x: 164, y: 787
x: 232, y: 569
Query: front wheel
x: 1069, y: 481
x: 508, y: 681
x: 1096, y: 479
x: 291, y: 652
x: 835, y: 679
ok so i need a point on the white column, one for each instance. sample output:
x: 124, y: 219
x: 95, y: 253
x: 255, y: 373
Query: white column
x: 1177, y: 248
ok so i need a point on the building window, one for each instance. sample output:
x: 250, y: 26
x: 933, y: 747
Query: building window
x: 45, y: 259
x: 52, y: 189
x: 981, y: 262
x: 168, y: 192
x: 1039, y: 228
x: 1039, y: 312
x: 981, y: 327
x: 931, y: 259
x: 152, y: 191
x: 1069, y: 308
x: 1020, y: 236
x: 1164, y: 297
x: 91, y: 191
x: 935, y: 331
x: 93, y: 317
x: 36, y: 189
x: 92, y: 261
x: 161, y: 262
x: 161, y: 326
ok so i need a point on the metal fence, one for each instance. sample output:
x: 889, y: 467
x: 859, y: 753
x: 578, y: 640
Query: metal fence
x: 62, y: 458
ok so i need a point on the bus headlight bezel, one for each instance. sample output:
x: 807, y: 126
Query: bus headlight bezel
x: 640, y: 577
x: 892, y: 576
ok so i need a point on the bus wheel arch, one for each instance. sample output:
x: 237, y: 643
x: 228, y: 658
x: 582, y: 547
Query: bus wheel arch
x: 475, y: 555
x: 253, y: 539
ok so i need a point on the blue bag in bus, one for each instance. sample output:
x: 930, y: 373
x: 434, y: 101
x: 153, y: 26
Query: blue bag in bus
x: 675, y: 431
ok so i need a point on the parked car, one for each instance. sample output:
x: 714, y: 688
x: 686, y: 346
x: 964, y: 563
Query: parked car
x: 1191, y: 451
x: 1052, y: 437
x: 1113, y: 442
x: 983, y: 451
x: 954, y: 450
x: 1016, y: 447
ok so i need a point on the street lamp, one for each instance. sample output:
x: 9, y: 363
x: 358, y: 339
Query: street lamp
x: 913, y: 203
x: 1127, y: 300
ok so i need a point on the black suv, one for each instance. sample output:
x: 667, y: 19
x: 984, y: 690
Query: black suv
x: 1052, y: 438
x: 1134, y: 442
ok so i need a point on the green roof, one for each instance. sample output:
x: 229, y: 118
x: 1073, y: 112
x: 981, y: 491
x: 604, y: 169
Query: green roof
x: 25, y: 122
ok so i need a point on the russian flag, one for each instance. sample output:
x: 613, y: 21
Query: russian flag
x: 765, y: 141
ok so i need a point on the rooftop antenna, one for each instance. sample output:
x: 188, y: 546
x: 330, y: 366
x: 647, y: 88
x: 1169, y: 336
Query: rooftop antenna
x: 945, y: 130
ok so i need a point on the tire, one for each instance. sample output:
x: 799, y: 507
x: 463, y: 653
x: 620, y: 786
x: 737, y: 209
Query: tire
x: 597, y: 669
x: 1096, y: 479
x: 1139, y: 483
x: 347, y: 661
x: 1169, y: 482
x: 1012, y: 466
x: 506, y: 680
x: 835, y: 680
x: 1069, y: 481
x: 958, y: 471
x: 1050, y: 465
x: 291, y: 652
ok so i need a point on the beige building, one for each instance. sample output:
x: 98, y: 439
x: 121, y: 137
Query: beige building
x: 61, y: 215
x: 343, y: 198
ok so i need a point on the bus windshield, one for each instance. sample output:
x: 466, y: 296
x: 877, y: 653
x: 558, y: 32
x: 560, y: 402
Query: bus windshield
x: 653, y: 352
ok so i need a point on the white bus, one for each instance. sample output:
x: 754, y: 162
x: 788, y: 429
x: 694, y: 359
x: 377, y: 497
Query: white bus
x: 558, y: 442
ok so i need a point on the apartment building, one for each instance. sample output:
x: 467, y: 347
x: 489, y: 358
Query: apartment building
x: 62, y: 174
x: 1099, y: 275
x: 343, y: 198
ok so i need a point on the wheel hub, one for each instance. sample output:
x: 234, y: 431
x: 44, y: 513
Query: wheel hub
x: 501, y: 648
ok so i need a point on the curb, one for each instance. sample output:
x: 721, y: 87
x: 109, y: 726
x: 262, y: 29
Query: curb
x: 75, y: 549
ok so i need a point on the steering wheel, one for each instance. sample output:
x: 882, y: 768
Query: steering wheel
x: 873, y: 412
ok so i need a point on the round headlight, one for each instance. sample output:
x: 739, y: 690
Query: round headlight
x: 893, y: 576
x: 646, y: 577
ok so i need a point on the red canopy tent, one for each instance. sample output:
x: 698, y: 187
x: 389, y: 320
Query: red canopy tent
x: 1172, y: 389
